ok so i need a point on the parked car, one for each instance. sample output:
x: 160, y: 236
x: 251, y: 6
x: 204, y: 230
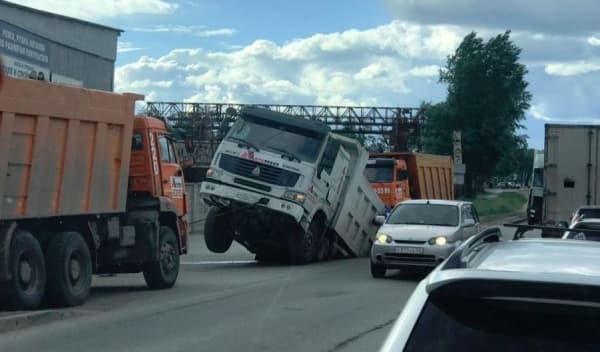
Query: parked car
x: 582, y: 224
x: 490, y: 295
x: 422, y: 233
x: 502, y: 185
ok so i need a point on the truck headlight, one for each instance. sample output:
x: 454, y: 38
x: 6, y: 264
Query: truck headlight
x: 383, y: 238
x: 296, y: 197
x: 213, y: 173
x: 438, y: 241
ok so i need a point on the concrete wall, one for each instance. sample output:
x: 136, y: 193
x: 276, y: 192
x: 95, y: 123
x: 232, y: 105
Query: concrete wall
x: 198, y: 208
x: 77, y: 49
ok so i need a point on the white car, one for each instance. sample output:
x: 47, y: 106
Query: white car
x: 422, y: 233
x: 490, y: 295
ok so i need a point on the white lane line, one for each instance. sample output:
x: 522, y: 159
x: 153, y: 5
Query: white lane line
x: 212, y: 262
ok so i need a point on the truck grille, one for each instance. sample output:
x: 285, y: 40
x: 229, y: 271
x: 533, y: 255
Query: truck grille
x: 268, y: 174
x: 409, y: 242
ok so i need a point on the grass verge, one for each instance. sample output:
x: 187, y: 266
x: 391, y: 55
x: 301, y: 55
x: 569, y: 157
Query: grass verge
x: 506, y: 203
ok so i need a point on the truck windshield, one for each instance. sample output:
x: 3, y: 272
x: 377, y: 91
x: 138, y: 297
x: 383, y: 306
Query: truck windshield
x: 377, y: 174
x: 300, y: 143
x: 425, y: 214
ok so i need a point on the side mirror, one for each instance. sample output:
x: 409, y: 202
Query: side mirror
x: 468, y: 223
x: 379, y: 220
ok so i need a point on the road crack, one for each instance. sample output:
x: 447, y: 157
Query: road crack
x: 349, y: 340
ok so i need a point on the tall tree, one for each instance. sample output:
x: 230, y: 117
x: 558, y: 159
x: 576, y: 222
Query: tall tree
x: 487, y: 99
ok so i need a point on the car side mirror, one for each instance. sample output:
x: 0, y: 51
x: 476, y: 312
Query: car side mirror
x: 468, y: 223
x: 379, y: 220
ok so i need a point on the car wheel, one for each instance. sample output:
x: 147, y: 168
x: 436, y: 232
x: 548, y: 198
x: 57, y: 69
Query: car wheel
x: 377, y: 270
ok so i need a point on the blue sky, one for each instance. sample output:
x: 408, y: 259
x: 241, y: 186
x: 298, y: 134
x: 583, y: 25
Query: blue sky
x: 378, y: 52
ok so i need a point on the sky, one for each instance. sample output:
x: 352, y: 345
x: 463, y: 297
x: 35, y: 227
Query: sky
x: 352, y: 52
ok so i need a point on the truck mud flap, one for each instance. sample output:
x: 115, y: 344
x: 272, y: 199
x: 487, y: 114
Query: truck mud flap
x: 6, y: 233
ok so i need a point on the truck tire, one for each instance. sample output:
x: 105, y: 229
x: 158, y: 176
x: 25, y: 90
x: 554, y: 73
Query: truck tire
x: 163, y: 273
x: 301, y: 245
x: 218, y: 234
x: 377, y: 270
x: 325, y: 248
x: 26, y: 289
x: 69, y: 266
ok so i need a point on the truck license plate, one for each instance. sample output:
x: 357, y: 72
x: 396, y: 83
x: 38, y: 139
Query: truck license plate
x: 409, y: 250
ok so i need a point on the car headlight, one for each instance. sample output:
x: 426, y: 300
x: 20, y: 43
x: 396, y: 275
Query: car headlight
x: 438, y: 240
x: 296, y: 197
x: 383, y: 238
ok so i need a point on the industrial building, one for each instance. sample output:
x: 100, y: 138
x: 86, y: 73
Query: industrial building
x: 56, y: 48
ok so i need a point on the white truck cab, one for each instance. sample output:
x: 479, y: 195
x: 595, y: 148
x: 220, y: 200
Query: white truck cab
x: 278, y: 184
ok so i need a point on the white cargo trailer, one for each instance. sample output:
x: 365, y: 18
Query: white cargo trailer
x: 570, y: 170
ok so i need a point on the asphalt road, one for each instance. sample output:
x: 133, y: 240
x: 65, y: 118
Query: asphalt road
x: 229, y: 303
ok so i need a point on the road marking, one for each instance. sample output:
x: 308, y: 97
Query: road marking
x: 212, y: 262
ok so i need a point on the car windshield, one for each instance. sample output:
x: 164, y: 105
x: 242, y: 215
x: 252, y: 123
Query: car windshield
x: 489, y: 324
x: 424, y: 214
x: 588, y: 214
x: 291, y: 142
x: 379, y: 174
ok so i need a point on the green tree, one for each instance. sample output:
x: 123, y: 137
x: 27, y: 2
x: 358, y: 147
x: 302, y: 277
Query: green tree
x: 487, y: 99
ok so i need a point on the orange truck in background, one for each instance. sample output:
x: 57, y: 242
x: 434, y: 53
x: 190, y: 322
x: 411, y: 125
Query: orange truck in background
x: 86, y: 187
x: 399, y: 176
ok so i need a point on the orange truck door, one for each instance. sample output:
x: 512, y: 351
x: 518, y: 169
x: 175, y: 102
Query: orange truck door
x: 171, y: 175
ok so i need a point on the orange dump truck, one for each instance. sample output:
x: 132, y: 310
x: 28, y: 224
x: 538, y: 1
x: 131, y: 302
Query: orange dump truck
x: 86, y: 187
x: 399, y: 176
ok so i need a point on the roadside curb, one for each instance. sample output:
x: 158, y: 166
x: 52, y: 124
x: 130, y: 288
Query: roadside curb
x: 20, y: 320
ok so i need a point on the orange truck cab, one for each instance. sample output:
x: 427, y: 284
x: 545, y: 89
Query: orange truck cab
x: 389, y: 179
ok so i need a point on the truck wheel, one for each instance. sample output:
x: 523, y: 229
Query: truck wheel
x: 218, y: 234
x: 69, y: 266
x: 163, y: 273
x: 324, y: 250
x: 377, y: 270
x: 301, y: 245
x: 26, y: 289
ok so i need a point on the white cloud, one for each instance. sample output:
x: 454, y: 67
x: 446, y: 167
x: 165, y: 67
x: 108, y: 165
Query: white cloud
x: 538, y: 111
x: 572, y: 68
x: 221, y: 32
x: 169, y: 28
x: 126, y: 47
x: 96, y: 9
x: 595, y: 41
x: 195, y: 30
x: 364, y: 67
x: 425, y: 71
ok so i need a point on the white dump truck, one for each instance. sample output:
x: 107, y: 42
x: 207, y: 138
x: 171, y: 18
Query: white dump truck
x: 287, y: 188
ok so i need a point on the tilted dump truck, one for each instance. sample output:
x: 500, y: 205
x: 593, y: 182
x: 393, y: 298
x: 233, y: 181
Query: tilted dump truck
x: 286, y: 187
x: 399, y: 176
x: 85, y: 187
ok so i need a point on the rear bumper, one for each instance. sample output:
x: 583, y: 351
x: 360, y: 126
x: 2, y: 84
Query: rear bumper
x: 210, y: 190
x: 429, y: 256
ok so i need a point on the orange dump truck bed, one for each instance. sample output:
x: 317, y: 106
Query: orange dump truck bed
x: 63, y: 150
x: 430, y: 176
